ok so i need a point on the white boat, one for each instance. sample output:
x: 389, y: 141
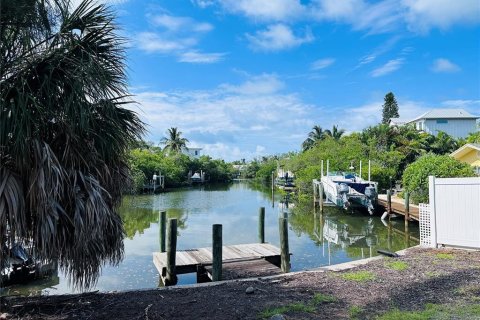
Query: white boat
x: 348, y: 190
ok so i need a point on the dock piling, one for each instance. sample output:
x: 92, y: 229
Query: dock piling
x: 171, y: 276
x: 284, y: 250
x: 320, y: 196
x: 261, y: 225
x: 217, y: 252
x: 163, y: 227
x: 389, y: 201
x: 407, y: 208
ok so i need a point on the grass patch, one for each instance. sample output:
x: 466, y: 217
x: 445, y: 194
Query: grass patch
x: 320, y: 298
x: 432, y: 274
x: 354, y: 311
x: 292, y: 307
x: 396, y: 265
x: 445, y: 256
x: 359, y: 276
x: 434, y: 311
x: 310, y: 307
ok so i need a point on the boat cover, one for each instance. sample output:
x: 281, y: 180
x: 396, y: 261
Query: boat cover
x: 359, y: 187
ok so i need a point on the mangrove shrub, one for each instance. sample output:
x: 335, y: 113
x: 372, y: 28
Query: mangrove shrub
x: 415, y: 177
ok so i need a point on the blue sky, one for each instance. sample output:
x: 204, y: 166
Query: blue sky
x: 246, y: 78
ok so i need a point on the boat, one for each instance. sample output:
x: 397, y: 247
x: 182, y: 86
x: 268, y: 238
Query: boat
x: 20, y: 266
x: 285, y: 180
x: 347, y: 190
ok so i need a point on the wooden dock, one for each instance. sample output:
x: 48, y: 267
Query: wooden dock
x: 257, y: 259
x: 398, y: 207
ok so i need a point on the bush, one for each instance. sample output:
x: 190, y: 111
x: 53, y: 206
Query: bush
x: 415, y: 177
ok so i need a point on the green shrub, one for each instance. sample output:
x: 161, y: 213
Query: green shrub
x: 415, y: 177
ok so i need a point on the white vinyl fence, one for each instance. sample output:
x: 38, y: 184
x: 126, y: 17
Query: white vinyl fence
x: 453, y: 216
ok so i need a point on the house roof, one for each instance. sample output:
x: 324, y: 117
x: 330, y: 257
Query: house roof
x: 465, y: 149
x: 446, y: 114
x: 398, y: 120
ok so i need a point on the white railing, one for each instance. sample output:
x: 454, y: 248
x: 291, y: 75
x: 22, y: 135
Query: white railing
x: 425, y: 225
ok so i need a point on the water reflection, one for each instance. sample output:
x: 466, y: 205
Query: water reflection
x: 316, y: 239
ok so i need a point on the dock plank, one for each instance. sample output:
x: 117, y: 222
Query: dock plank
x: 187, y: 260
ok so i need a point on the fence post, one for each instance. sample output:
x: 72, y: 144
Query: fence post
x: 261, y: 225
x: 163, y: 228
x: 433, y: 217
x: 171, y: 277
x: 284, y: 250
x: 217, y: 252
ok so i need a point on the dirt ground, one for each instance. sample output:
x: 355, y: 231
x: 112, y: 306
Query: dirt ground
x: 410, y: 282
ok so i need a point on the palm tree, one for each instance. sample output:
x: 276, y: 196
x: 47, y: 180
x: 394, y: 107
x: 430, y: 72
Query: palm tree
x: 444, y: 143
x: 317, y: 134
x: 335, y: 133
x: 64, y: 133
x: 174, y: 142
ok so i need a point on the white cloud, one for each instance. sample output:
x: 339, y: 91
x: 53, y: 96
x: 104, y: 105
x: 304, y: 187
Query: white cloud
x: 262, y: 84
x: 372, y: 16
x: 265, y: 10
x: 232, y: 121
x: 322, y: 63
x: 75, y: 3
x: 153, y: 42
x: 277, y: 37
x: 198, y: 57
x: 444, y: 65
x: 203, y: 3
x: 184, y: 24
x: 177, y: 36
x: 378, y: 17
x: 470, y: 105
x: 422, y: 15
x: 370, y: 114
x: 388, y: 67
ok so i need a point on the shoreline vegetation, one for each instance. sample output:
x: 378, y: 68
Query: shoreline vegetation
x: 420, y: 284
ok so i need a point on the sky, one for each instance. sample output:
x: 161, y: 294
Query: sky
x: 248, y: 78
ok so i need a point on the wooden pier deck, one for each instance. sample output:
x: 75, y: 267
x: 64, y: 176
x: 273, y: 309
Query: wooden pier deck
x: 253, y: 258
x: 398, y: 206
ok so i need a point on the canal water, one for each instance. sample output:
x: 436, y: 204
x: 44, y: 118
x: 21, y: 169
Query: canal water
x: 315, y: 239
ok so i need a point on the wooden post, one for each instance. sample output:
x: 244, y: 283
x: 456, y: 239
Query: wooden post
x: 389, y: 202
x: 285, y: 256
x: 163, y: 227
x: 273, y: 189
x: 407, y: 208
x: 261, y: 225
x: 217, y: 252
x: 314, y: 193
x: 171, y: 277
x: 320, y: 196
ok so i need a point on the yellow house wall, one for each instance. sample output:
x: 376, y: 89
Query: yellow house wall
x: 469, y: 157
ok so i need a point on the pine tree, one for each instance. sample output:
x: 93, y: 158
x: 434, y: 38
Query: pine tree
x: 390, y: 108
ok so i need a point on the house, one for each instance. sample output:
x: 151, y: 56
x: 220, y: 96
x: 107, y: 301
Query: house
x: 458, y: 123
x: 469, y: 153
x: 397, y: 122
x: 192, y: 152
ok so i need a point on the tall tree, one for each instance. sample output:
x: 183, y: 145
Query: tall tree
x: 390, y: 108
x: 315, y: 135
x: 64, y: 133
x: 335, y: 133
x: 174, y: 142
